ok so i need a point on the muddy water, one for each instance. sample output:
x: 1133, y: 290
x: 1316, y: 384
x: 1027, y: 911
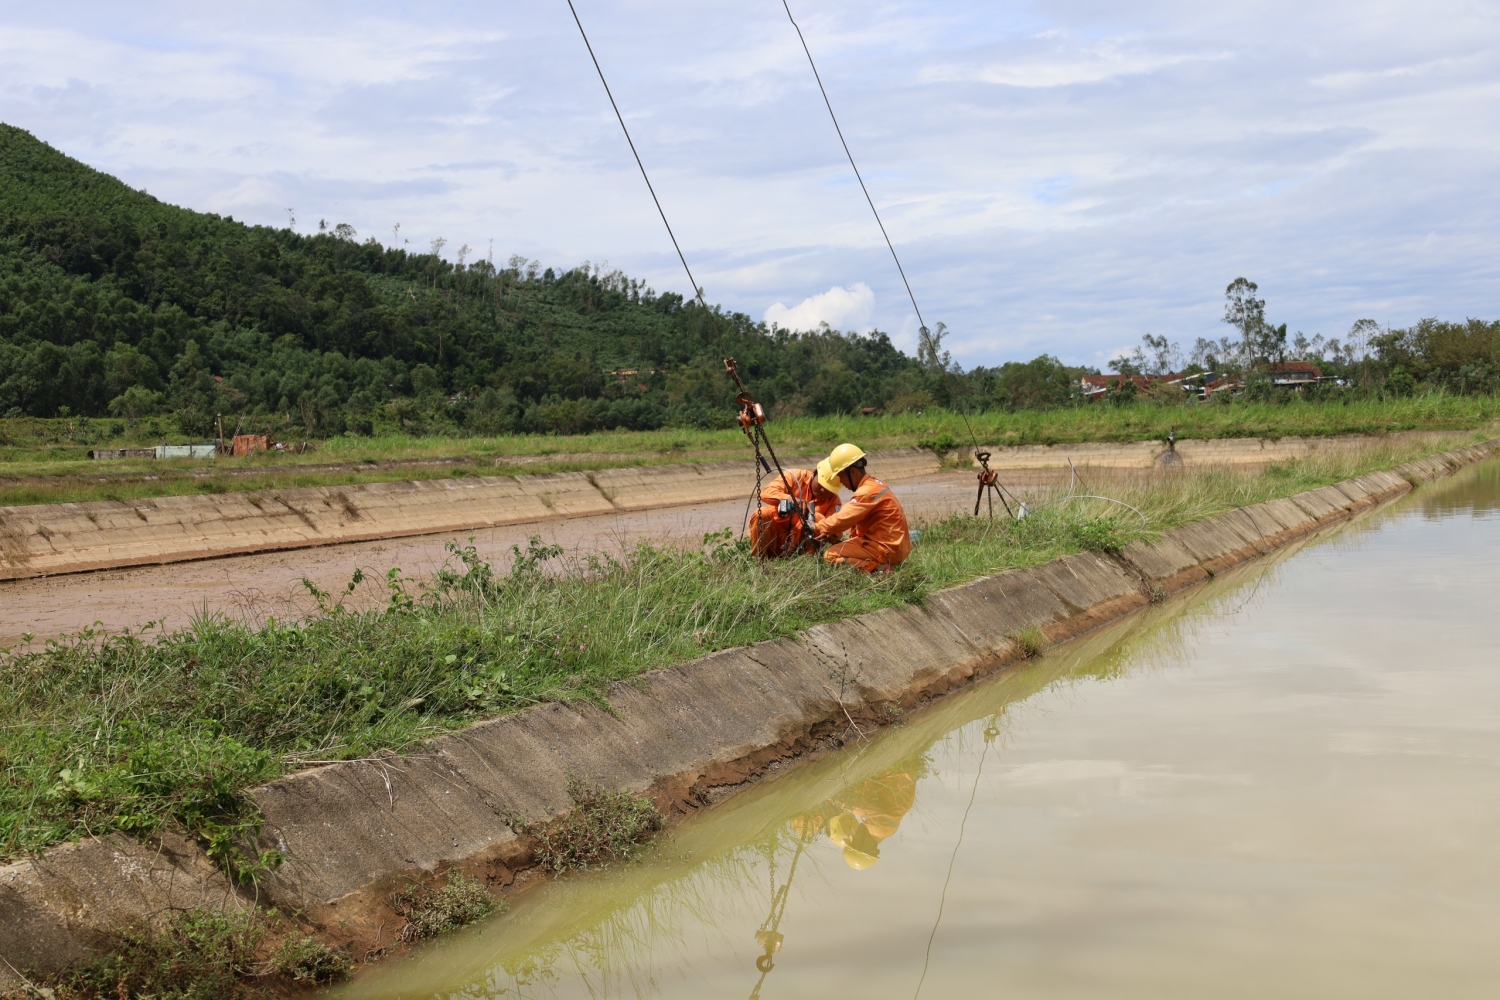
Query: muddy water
x: 1282, y: 785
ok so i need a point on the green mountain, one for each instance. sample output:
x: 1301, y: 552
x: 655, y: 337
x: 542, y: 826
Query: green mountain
x: 112, y: 302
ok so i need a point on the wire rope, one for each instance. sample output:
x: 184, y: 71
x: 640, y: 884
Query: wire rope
x: 943, y: 899
x: 697, y: 292
x: 857, y: 176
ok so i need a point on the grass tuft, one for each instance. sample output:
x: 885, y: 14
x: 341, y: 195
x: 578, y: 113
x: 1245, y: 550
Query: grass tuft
x: 429, y: 912
x: 603, y: 827
x: 1030, y: 641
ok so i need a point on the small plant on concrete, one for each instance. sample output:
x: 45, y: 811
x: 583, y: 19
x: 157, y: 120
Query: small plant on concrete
x: 1030, y: 641
x: 429, y: 912
x: 603, y: 827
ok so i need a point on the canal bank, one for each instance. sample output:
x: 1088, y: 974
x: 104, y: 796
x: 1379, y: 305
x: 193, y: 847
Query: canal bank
x: 1277, y: 784
x: 688, y: 736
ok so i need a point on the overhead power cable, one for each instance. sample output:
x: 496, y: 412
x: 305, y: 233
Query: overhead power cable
x: 876, y: 212
x: 697, y: 292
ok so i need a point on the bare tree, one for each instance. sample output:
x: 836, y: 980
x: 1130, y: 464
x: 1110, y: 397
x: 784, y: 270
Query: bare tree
x: 930, y: 349
x: 1357, y: 343
x: 1161, y: 356
x: 1245, y: 312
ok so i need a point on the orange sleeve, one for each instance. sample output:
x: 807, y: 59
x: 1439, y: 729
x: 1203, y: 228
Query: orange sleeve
x: 850, y: 514
x: 775, y: 490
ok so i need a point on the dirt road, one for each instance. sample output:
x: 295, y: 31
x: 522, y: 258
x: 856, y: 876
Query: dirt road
x: 256, y: 586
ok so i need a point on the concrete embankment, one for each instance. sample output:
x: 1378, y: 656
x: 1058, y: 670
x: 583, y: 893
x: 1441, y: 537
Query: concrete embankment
x: 46, y: 539
x: 686, y: 736
x: 1191, y: 451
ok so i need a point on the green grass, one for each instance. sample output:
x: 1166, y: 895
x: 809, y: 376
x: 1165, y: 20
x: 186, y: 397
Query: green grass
x: 196, y: 954
x: 45, y: 461
x: 135, y: 732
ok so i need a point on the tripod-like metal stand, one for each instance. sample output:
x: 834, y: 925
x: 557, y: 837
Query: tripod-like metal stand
x: 989, y: 486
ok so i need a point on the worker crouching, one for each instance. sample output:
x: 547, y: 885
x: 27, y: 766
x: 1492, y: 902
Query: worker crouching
x: 879, y: 537
x: 779, y: 526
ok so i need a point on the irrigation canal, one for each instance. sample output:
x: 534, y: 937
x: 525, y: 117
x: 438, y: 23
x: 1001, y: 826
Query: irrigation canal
x: 1283, y: 784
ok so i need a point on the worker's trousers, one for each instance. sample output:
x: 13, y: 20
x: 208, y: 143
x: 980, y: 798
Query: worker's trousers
x: 861, y: 553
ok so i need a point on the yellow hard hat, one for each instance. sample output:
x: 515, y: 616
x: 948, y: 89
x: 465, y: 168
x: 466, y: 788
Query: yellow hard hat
x: 841, y: 828
x: 837, y: 461
x: 859, y: 860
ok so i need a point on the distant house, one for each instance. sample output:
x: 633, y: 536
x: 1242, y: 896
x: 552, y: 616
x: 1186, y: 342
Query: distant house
x: 1295, y: 374
x: 1095, y: 386
x: 1290, y: 374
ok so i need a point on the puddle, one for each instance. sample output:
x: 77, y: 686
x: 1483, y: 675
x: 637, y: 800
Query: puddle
x: 1281, y: 785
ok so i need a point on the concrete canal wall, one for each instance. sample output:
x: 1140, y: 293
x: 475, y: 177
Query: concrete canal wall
x: 1216, y: 451
x: 46, y: 539
x: 686, y: 736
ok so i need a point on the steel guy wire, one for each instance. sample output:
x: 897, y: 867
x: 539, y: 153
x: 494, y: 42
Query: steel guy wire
x: 876, y: 212
x: 698, y: 292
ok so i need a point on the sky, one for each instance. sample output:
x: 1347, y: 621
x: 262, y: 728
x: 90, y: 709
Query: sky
x: 1057, y: 177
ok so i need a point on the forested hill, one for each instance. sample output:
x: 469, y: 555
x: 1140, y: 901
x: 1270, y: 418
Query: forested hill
x: 112, y: 302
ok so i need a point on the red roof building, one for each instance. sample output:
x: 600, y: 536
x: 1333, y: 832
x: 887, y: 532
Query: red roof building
x: 1094, y: 386
x: 1295, y: 373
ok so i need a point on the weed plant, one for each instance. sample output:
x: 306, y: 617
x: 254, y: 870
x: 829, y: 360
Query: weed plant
x: 197, y: 954
x: 429, y: 912
x: 138, y: 731
x: 603, y: 827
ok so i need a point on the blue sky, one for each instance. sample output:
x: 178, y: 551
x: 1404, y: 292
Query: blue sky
x: 1058, y: 177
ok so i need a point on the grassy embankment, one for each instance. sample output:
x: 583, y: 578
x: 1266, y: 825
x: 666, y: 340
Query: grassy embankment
x: 137, y: 731
x: 45, y: 461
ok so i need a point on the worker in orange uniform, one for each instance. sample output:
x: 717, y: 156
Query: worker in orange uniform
x: 871, y: 814
x: 879, y: 537
x: 778, y: 528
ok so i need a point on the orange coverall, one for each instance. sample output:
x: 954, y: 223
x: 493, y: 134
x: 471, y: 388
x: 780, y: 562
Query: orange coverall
x: 773, y: 536
x: 880, y: 537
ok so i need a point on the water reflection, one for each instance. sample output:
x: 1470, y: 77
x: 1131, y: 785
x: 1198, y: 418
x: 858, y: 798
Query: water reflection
x: 1281, y: 784
x: 725, y: 884
x: 1475, y: 491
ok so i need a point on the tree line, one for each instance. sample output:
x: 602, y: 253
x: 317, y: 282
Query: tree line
x: 1370, y: 360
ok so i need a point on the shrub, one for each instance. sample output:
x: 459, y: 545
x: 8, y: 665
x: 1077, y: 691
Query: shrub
x: 199, y: 954
x: 602, y: 827
x: 429, y: 912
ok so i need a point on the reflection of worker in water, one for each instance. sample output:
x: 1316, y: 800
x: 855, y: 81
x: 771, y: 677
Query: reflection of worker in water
x: 857, y: 820
x: 879, y: 538
x: 871, y: 812
x: 780, y: 526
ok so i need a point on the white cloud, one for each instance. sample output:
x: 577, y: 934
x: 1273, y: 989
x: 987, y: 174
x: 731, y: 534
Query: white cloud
x: 851, y: 308
x: 1054, y: 60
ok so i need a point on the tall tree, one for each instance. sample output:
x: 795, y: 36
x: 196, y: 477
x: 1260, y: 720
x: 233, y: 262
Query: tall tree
x: 1245, y: 312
